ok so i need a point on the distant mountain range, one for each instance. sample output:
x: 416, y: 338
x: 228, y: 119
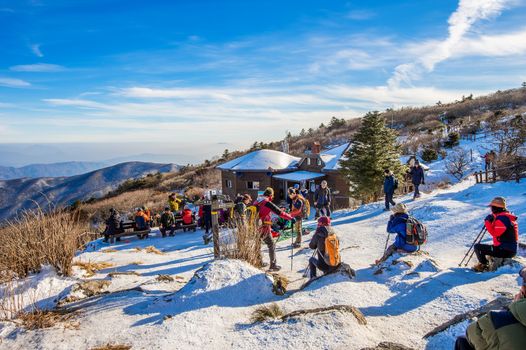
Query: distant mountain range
x: 26, y: 193
x: 50, y: 170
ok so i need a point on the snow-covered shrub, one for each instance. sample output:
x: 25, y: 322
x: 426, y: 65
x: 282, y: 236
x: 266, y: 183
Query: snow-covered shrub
x: 453, y: 140
x: 429, y: 155
x: 35, y: 239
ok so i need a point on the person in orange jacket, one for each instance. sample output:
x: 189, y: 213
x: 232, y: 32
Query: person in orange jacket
x: 503, y: 227
x: 141, y: 221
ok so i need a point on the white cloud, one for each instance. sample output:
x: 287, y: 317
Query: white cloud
x: 460, y: 23
x: 14, y: 83
x: 360, y: 15
x: 189, y: 93
x: 36, y: 50
x: 38, y: 67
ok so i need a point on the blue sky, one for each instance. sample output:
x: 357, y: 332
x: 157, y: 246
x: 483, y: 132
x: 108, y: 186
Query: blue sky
x: 196, y: 75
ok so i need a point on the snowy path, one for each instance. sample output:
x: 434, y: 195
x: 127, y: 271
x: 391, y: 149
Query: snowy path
x: 400, y: 305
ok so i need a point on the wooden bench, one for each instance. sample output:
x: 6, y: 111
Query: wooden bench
x: 129, y: 228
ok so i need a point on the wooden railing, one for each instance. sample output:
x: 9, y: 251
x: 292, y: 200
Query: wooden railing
x: 513, y: 172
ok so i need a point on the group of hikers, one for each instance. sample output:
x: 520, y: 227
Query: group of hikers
x: 416, y: 173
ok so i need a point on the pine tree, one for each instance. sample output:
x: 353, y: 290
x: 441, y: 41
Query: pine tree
x: 302, y: 132
x: 373, y: 150
x: 226, y: 154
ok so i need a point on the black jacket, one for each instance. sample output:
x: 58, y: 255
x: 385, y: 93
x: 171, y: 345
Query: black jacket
x: 318, y: 240
x: 113, y: 224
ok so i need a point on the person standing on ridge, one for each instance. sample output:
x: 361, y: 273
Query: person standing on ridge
x: 417, y: 178
x: 390, y: 185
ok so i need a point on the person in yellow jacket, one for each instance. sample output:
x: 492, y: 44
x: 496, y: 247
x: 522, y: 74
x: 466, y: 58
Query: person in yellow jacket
x: 174, y: 202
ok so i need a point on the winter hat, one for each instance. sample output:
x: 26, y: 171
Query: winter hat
x: 296, y: 186
x: 498, y: 202
x: 166, y: 208
x: 324, y: 221
x: 269, y: 192
x: 399, y: 208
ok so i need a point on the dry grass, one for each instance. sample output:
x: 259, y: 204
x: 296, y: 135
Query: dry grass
x: 109, y: 250
x: 244, y: 244
x: 137, y: 249
x: 136, y: 262
x: 35, y: 239
x: 39, y: 319
x: 111, y: 346
x: 165, y: 278
x: 152, y: 250
x: 266, y: 312
x: 92, y: 267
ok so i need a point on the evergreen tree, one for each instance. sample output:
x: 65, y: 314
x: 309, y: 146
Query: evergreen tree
x: 302, y: 132
x: 373, y: 150
x: 226, y: 154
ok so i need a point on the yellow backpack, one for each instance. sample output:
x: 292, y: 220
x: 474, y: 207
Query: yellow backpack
x: 251, y: 214
x: 332, y: 249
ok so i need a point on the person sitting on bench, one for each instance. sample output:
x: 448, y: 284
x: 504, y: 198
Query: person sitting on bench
x: 112, y: 224
x: 141, y: 222
x: 503, y: 227
x: 167, y: 222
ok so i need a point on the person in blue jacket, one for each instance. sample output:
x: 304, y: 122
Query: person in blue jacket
x: 390, y: 185
x: 417, y: 178
x: 397, y: 224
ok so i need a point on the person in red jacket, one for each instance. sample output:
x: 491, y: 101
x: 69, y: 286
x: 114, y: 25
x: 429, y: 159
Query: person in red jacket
x: 265, y: 210
x: 187, y: 216
x: 503, y: 227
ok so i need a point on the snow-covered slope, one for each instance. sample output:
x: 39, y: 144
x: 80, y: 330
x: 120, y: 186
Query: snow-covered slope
x: 411, y: 296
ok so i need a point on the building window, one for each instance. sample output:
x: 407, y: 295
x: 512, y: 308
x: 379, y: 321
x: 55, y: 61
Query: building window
x: 308, y: 161
x: 228, y: 183
x: 253, y: 185
x: 318, y: 161
x: 312, y: 186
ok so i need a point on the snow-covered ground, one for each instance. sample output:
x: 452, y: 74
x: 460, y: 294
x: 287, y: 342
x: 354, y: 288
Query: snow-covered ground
x: 213, y: 310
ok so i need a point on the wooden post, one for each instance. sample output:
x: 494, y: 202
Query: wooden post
x: 471, y: 154
x: 486, y: 175
x: 215, y: 233
x: 494, y: 175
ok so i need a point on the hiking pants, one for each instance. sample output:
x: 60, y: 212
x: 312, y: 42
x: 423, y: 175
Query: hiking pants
x: 318, y: 264
x: 266, y: 237
x: 297, y: 228
x: 389, y: 200
x: 207, y: 220
x: 323, y: 210
x: 487, y: 249
x: 170, y: 230
x: 417, y: 191
x: 462, y: 344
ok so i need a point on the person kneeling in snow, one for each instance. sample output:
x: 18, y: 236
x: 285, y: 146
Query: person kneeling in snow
x: 503, y: 227
x: 398, y: 224
x: 505, y: 329
x: 327, y: 246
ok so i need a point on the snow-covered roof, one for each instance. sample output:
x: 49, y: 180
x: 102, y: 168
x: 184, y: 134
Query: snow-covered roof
x: 298, y: 176
x: 405, y: 160
x: 261, y: 160
x: 333, y: 155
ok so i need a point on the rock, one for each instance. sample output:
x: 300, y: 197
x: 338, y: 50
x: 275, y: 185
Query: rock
x: 495, y: 263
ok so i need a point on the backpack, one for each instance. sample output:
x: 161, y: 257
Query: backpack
x: 415, y: 232
x: 251, y: 214
x: 332, y: 249
x: 305, y: 210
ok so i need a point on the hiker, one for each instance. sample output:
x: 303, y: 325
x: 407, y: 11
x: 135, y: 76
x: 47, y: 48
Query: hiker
x: 265, y: 210
x: 489, y: 160
x: 140, y: 220
x: 390, y: 185
x: 112, y: 225
x: 167, y: 222
x: 147, y: 214
x: 325, y: 242
x: 502, y: 329
x: 188, y: 216
x: 174, y: 203
x: 417, y: 178
x: 297, y: 212
x: 322, y: 200
x: 503, y: 227
x: 304, y: 191
x: 206, y: 210
x: 398, y: 224
x: 241, y: 206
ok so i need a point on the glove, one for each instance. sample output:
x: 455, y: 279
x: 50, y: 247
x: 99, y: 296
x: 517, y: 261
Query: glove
x: 489, y: 218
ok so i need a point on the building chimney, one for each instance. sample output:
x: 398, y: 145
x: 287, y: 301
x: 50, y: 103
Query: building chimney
x: 316, y: 148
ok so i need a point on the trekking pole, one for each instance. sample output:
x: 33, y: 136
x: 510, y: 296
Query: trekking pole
x: 292, y: 246
x: 478, y: 238
x: 387, y: 241
x: 473, y: 251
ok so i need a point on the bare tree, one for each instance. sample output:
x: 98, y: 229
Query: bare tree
x: 457, y: 163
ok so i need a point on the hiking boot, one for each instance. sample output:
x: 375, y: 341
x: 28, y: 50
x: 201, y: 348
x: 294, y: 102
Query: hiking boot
x: 480, y: 267
x: 296, y: 245
x: 274, y: 267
